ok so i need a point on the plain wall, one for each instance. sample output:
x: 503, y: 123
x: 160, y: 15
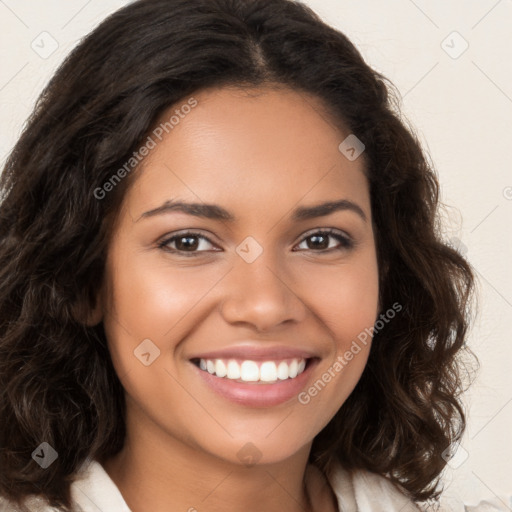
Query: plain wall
x: 460, y: 104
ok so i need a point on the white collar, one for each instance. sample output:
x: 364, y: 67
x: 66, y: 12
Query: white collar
x: 358, y: 491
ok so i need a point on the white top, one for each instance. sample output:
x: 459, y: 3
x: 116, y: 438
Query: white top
x: 94, y: 491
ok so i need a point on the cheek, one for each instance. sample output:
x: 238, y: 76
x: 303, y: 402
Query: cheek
x: 152, y: 297
x: 343, y: 297
x: 346, y: 302
x: 148, y: 299
x: 163, y: 302
x: 148, y: 308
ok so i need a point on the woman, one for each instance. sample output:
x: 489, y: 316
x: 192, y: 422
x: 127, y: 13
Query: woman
x: 222, y: 283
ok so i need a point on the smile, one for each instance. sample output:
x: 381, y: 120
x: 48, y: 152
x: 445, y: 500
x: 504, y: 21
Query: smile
x: 246, y: 385
x: 252, y: 371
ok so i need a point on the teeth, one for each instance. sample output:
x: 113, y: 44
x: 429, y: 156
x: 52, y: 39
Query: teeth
x: 268, y: 371
x: 282, y: 371
x: 293, y: 369
x: 250, y: 371
x: 233, y: 370
x: 220, y: 368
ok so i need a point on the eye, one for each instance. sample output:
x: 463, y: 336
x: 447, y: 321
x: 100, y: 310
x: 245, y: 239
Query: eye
x: 321, y: 240
x: 186, y: 242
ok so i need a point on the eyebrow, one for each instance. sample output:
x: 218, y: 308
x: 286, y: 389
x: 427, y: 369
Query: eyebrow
x: 216, y: 212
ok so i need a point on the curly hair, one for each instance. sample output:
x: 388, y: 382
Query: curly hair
x: 57, y: 381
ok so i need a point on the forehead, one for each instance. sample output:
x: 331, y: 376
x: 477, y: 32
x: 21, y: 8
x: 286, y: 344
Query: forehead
x: 254, y: 148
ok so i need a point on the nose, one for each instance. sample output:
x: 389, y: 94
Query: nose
x: 262, y: 295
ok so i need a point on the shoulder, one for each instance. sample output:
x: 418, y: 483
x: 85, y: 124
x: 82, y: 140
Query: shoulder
x: 31, y: 504
x: 94, y: 489
x: 91, y: 490
x: 363, y: 491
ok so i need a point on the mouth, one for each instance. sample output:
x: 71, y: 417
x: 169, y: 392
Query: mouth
x: 256, y: 372
x: 254, y: 383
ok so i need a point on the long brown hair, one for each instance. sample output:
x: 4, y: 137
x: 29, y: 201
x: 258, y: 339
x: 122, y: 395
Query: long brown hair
x: 57, y: 381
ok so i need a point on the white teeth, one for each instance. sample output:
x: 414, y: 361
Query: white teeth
x: 293, y: 369
x: 268, y: 371
x: 282, y: 371
x: 233, y: 370
x: 250, y: 371
x: 220, y: 368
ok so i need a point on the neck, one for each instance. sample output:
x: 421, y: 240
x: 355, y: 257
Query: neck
x: 183, y: 478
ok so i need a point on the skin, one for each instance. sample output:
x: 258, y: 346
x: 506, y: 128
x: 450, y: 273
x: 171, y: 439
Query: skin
x: 258, y: 155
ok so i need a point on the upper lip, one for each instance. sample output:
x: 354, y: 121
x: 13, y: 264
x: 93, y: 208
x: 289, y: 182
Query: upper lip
x: 257, y: 353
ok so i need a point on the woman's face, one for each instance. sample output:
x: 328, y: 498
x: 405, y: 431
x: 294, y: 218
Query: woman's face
x: 254, y: 280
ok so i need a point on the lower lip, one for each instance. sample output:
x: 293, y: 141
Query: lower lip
x: 258, y: 394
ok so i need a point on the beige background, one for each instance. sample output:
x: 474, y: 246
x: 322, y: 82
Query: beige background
x: 460, y: 103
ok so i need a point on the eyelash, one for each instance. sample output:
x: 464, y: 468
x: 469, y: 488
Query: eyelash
x: 346, y: 243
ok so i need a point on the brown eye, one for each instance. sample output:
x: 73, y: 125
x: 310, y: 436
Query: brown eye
x: 185, y: 243
x: 192, y: 244
x: 320, y: 241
